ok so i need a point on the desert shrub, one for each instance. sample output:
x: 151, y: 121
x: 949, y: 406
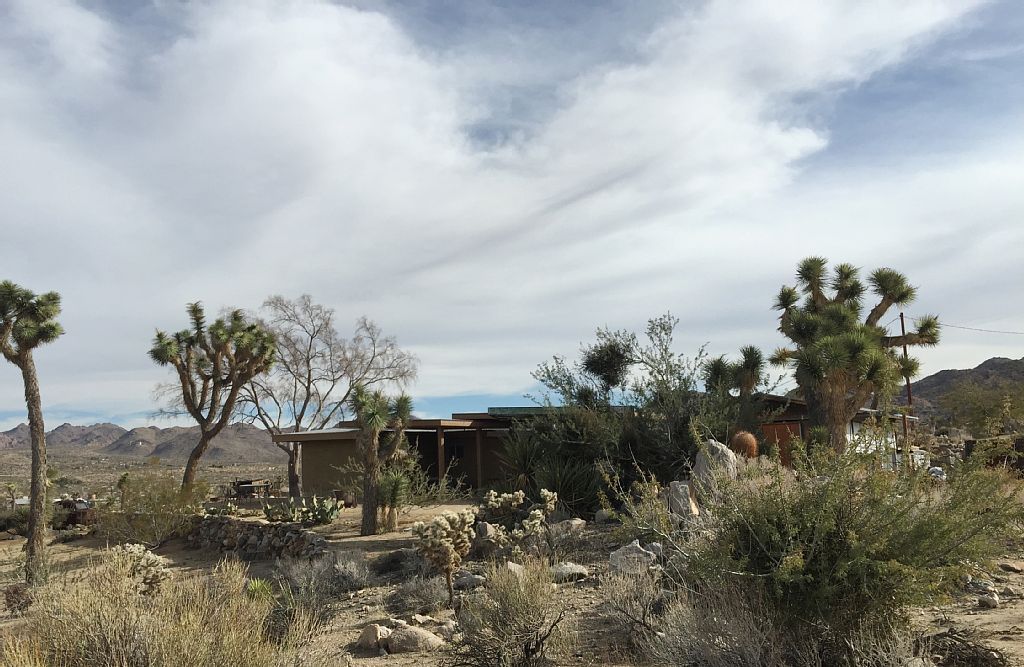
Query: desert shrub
x: 200, y: 621
x: 421, y: 595
x: 151, y: 509
x: 635, y: 600
x: 400, y: 564
x: 315, y: 585
x: 516, y: 621
x: 17, y: 598
x: 14, y: 519
x: 577, y: 483
x: 843, y: 543
x: 445, y: 541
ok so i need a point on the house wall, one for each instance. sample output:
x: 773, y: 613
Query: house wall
x: 320, y: 460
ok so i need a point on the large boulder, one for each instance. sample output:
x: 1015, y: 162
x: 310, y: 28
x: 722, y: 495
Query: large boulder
x: 411, y: 639
x: 631, y: 559
x: 713, y: 459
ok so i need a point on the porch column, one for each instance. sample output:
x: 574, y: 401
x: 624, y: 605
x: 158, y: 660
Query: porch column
x: 479, y: 457
x: 440, y: 453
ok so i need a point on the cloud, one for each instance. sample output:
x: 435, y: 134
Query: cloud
x: 487, y: 188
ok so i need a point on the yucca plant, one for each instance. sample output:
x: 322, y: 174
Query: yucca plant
x: 394, y: 494
x: 376, y: 415
x: 840, y: 358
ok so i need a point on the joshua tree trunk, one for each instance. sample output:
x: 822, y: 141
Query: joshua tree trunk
x: 36, y: 546
x: 827, y: 408
x: 371, y: 487
x: 294, y: 479
x: 192, y: 465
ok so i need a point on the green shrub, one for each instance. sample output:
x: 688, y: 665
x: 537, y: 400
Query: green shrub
x: 516, y: 621
x: 578, y: 483
x: 318, y: 512
x: 841, y: 543
x: 16, y: 520
x: 151, y: 509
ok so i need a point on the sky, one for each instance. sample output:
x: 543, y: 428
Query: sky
x: 491, y: 181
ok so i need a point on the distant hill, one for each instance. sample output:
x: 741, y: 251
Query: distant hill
x: 928, y: 390
x: 236, y: 443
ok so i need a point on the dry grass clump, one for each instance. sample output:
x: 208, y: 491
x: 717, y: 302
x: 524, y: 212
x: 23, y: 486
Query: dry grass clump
x: 516, y: 621
x: 314, y: 586
x: 422, y: 595
x: 193, y: 621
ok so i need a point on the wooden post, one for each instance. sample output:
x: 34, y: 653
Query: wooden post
x: 479, y: 457
x: 440, y: 453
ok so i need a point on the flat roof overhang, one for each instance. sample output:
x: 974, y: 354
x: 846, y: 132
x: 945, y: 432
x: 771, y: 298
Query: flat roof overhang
x: 347, y: 430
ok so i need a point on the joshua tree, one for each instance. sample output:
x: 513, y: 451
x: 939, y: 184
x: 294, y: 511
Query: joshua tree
x: 743, y: 376
x: 312, y: 379
x: 213, y: 364
x: 376, y: 413
x: 12, y: 494
x: 839, y: 360
x: 27, y: 321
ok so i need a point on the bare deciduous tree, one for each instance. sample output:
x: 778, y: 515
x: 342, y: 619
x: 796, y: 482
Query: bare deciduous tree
x: 316, y: 371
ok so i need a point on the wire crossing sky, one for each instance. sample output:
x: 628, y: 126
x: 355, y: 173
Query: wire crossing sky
x: 491, y: 181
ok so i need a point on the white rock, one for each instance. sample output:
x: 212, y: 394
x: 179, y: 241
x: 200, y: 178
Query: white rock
x: 420, y: 619
x: 565, y: 572
x: 518, y: 569
x: 410, y: 639
x: 631, y: 559
x: 447, y: 629
x: 712, y: 459
x: 682, y: 501
x: 373, y: 636
x: 468, y: 581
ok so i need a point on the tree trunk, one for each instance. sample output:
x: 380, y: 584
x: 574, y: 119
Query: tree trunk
x: 192, y: 465
x: 294, y: 479
x: 35, y: 560
x: 826, y: 408
x: 371, y: 487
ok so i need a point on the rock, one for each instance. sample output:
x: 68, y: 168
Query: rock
x: 565, y: 572
x: 712, y: 459
x: 420, y: 619
x: 1011, y: 567
x: 631, y: 559
x: 603, y: 516
x: 516, y: 568
x: 373, y: 636
x: 988, y: 601
x: 568, y: 527
x: 982, y: 586
x: 468, y: 581
x: 682, y: 500
x: 447, y: 629
x: 1009, y: 592
x: 656, y: 549
x: 410, y: 639
x: 487, y: 531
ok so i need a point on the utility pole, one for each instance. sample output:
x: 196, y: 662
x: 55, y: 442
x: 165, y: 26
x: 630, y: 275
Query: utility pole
x: 910, y: 395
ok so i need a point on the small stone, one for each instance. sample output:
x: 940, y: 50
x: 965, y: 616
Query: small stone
x: 410, y: 639
x: 420, y: 619
x: 516, y: 568
x: 988, y: 601
x: 468, y: 581
x: 565, y: 572
x: 1008, y: 592
x: 682, y: 500
x: 447, y: 629
x: 631, y: 559
x: 1011, y: 567
x: 568, y: 527
x: 373, y: 636
x: 603, y: 516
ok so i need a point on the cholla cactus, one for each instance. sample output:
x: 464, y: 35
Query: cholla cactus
x: 145, y: 567
x: 445, y: 541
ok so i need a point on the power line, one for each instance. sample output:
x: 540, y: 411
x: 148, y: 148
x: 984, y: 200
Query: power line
x: 996, y: 331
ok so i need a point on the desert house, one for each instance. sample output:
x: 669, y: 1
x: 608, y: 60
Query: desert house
x: 469, y: 444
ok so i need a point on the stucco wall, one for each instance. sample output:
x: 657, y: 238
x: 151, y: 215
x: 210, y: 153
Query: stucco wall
x: 320, y: 460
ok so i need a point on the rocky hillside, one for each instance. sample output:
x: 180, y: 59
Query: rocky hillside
x: 236, y: 443
x: 928, y: 390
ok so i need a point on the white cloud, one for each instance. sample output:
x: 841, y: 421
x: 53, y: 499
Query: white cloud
x: 257, y: 148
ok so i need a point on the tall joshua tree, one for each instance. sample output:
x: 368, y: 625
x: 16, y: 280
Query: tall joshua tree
x: 840, y: 360
x: 27, y: 321
x: 213, y: 363
x: 378, y: 415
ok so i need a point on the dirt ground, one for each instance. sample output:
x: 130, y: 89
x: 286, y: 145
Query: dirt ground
x: 1002, y: 627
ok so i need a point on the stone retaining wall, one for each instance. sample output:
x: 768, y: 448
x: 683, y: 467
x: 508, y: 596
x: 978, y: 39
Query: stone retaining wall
x: 255, y: 540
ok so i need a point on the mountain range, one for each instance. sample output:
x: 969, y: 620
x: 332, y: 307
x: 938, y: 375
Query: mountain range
x: 236, y: 443
x: 998, y: 370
